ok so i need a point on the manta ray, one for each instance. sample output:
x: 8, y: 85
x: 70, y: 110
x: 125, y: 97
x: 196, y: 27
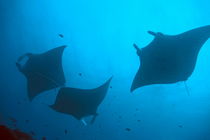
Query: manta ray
x: 42, y: 71
x: 80, y: 103
x: 169, y: 58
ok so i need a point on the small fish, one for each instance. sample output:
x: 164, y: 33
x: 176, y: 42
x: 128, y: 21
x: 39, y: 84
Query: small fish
x: 180, y: 126
x: 66, y: 131
x: 61, y: 35
x: 127, y: 129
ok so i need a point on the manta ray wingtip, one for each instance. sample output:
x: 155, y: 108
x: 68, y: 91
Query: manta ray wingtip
x: 132, y: 89
x: 111, y: 78
x: 64, y: 46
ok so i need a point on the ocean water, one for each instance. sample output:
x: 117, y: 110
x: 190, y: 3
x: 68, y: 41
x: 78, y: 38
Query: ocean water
x: 100, y: 37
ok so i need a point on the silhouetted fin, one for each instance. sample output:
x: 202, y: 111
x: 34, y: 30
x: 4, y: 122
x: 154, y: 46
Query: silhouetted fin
x: 138, y: 50
x: 43, y: 71
x: 170, y: 58
x: 80, y: 102
x: 155, y: 34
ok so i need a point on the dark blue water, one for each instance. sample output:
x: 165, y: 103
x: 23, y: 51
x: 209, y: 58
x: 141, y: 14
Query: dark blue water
x: 99, y: 35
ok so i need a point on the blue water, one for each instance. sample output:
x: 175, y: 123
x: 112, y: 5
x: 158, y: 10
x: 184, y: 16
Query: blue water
x: 99, y: 35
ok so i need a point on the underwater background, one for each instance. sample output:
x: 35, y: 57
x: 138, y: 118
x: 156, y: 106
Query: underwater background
x: 99, y: 36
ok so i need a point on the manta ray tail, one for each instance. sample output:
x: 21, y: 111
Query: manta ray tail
x: 187, y: 89
x: 93, y: 119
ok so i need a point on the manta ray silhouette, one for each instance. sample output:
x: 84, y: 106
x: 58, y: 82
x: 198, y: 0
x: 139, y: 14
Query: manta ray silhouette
x: 169, y: 58
x: 42, y: 71
x: 80, y: 103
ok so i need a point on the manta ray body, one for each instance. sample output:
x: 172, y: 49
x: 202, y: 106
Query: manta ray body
x: 42, y: 71
x: 169, y: 58
x: 80, y: 103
